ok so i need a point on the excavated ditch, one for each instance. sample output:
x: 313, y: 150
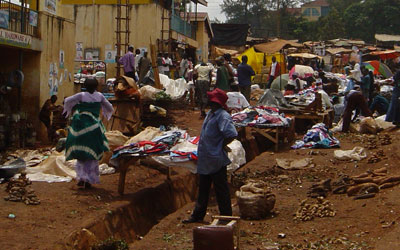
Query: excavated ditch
x: 130, y: 222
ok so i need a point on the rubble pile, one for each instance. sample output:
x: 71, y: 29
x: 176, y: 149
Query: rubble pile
x: 376, y: 156
x: 19, y: 191
x: 332, y: 243
x: 309, y: 210
x: 385, y: 139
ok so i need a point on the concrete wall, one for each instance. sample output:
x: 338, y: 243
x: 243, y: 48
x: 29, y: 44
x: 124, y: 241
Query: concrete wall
x: 203, y: 39
x: 95, y: 27
x: 56, y: 34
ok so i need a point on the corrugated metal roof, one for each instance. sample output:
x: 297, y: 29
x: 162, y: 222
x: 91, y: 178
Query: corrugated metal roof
x: 316, y: 3
x: 387, y: 38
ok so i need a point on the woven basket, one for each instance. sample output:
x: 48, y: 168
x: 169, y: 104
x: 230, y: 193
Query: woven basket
x: 255, y: 206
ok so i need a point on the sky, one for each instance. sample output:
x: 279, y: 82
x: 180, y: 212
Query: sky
x: 213, y: 10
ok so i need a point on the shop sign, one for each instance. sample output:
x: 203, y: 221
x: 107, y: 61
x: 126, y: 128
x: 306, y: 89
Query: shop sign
x: 15, y: 39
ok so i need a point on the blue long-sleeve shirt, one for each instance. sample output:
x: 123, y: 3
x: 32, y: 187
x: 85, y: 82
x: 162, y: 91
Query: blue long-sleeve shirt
x: 217, y: 127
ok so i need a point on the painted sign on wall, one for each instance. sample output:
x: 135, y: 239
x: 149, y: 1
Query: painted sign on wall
x: 50, y: 6
x: 15, y: 39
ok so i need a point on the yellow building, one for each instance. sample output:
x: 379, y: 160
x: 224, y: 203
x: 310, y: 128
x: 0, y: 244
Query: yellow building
x: 312, y: 11
x: 203, y: 34
x: 37, y: 38
x: 150, y: 22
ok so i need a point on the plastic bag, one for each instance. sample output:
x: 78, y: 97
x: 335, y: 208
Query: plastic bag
x: 357, y: 153
x: 148, y: 92
x: 237, y: 155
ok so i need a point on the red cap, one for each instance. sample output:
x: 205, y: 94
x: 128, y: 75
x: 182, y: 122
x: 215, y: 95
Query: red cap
x: 218, y: 96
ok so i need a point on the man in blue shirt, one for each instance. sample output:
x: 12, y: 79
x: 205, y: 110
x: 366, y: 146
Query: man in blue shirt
x: 217, y: 132
x: 245, y: 72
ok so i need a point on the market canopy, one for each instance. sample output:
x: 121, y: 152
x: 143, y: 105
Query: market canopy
x: 335, y: 51
x: 387, y: 38
x: 305, y: 55
x: 276, y: 46
x: 387, y: 54
x: 221, y: 51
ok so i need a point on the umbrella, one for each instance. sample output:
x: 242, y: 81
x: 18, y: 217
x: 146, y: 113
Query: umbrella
x: 280, y: 82
x: 302, y: 71
x: 378, y: 68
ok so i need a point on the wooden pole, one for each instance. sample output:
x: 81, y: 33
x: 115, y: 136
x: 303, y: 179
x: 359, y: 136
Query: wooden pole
x: 157, y: 82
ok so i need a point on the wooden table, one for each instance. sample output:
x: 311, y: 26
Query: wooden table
x: 272, y: 134
x: 324, y: 116
x: 124, y: 162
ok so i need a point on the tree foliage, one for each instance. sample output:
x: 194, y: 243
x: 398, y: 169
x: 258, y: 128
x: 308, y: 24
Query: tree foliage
x: 357, y: 19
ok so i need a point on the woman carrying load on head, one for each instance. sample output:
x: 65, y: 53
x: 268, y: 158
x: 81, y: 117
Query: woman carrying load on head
x: 86, y: 140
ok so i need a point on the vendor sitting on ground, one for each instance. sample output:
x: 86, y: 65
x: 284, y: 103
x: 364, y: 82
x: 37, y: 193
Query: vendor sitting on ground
x: 355, y: 100
x: 296, y: 82
x: 338, y: 108
x: 289, y: 89
x: 379, y: 104
x: 45, y: 113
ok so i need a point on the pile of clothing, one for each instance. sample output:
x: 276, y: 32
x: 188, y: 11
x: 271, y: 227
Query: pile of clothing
x: 260, y: 117
x: 318, y: 136
x: 160, y: 144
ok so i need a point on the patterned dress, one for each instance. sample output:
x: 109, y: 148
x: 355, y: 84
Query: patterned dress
x: 86, y: 140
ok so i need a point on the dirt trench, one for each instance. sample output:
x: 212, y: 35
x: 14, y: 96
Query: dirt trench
x: 130, y: 222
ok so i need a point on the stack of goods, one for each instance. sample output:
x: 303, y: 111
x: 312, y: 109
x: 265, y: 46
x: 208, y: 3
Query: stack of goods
x: 309, y: 210
x: 91, y: 70
x: 160, y: 144
x: 126, y: 87
x: 262, y: 117
x: 19, y: 191
x: 262, y: 79
x: 318, y: 136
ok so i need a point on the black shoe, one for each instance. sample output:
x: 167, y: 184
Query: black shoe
x: 191, y: 220
x: 87, y: 185
x: 81, y: 183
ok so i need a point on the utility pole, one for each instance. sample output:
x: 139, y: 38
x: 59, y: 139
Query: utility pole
x: 278, y: 19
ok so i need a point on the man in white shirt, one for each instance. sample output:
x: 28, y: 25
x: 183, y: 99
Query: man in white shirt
x: 202, y: 85
x: 356, y: 72
x: 167, y: 64
x: 274, y: 71
x: 137, y: 59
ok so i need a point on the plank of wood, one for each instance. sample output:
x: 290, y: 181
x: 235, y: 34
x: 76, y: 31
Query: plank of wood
x: 154, y: 66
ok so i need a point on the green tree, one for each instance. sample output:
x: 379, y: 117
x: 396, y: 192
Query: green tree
x: 331, y: 26
x: 363, y: 20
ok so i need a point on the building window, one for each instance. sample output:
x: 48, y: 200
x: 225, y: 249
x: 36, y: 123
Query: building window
x: 324, y: 10
x: 307, y: 12
x: 315, y: 12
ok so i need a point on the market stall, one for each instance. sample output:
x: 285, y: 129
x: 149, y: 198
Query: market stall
x: 166, y: 148
x: 266, y: 121
x: 91, y: 68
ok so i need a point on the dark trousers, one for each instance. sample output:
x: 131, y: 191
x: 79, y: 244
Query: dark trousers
x: 131, y: 75
x: 270, y: 80
x: 355, y: 101
x: 246, y: 91
x: 219, y: 180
